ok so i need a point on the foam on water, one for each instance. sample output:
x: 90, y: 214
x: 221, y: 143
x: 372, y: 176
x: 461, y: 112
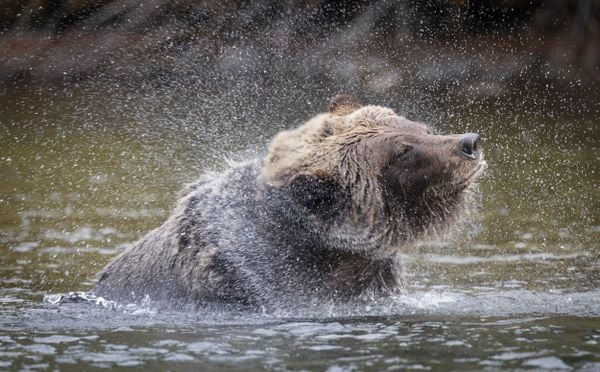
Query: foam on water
x: 60, y: 309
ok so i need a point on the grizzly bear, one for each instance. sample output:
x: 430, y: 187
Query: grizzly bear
x: 322, y: 218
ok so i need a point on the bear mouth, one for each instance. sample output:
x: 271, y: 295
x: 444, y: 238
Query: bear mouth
x: 467, y: 181
x: 477, y: 171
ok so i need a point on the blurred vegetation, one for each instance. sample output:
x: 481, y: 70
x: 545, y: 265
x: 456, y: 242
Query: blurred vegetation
x: 486, y: 45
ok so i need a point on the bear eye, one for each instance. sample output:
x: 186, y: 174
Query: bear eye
x: 403, y: 152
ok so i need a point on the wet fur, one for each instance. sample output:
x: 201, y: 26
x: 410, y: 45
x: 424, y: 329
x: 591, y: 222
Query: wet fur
x: 322, y: 218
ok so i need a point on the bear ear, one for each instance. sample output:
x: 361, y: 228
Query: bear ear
x: 321, y: 195
x: 344, y: 104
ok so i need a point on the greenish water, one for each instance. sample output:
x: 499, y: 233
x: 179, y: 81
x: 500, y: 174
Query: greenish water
x: 84, y: 174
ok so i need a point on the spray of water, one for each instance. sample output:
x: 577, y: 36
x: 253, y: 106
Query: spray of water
x: 150, y: 97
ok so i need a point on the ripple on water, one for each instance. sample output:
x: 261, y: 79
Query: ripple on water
x: 469, y: 260
x: 344, y: 343
x: 40, y: 349
x: 469, y: 329
x: 55, y: 339
x: 547, y: 363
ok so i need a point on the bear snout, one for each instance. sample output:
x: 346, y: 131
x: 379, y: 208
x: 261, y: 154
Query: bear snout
x: 469, y: 146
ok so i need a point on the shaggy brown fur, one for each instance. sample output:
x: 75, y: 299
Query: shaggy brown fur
x: 323, y: 217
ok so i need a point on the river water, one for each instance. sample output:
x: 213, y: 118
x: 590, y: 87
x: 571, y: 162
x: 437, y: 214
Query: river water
x: 85, y: 174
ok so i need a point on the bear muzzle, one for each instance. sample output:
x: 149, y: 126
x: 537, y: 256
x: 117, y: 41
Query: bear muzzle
x: 470, y: 147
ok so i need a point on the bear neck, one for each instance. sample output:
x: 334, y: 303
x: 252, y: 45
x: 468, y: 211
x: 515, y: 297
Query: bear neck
x: 429, y: 216
x: 279, y: 215
x: 349, y: 267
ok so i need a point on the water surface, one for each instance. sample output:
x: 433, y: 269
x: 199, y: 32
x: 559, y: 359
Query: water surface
x: 85, y: 174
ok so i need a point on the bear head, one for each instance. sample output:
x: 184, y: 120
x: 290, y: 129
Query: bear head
x: 363, y: 179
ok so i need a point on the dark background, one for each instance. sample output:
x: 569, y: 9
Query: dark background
x: 407, y: 48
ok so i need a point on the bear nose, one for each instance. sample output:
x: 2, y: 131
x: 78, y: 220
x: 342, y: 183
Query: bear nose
x: 469, y: 146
